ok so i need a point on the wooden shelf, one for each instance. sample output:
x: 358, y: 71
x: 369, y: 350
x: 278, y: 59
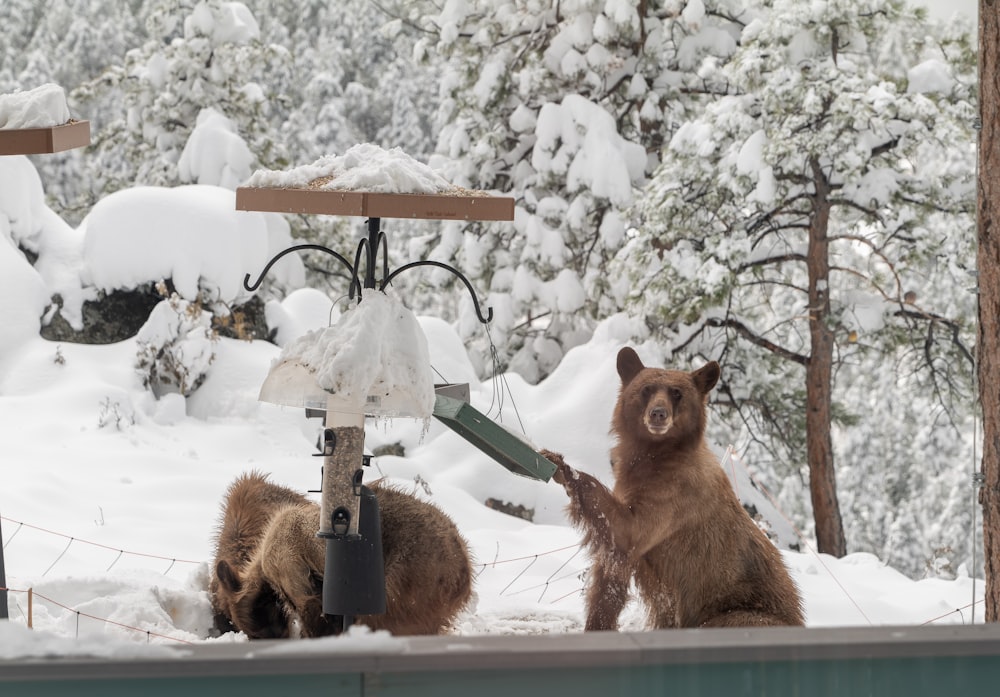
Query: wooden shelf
x: 37, y: 141
x: 375, y: 205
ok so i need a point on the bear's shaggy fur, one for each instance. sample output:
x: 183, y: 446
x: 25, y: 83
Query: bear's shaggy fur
x: 673, y: 522
x: 250, y: 503
x: 268, y: 577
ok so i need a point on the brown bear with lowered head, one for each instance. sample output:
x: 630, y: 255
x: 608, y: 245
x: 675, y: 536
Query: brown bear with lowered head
x: 672, y: 521
x: 250, y: 503
x: 262, y: 592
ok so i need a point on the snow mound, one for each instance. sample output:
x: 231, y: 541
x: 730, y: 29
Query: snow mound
x: 26, y: 223
x: 19, y: 642
x: 364, y: 167
x: 215, y: 153
x: 41, y: 107
x: 191, y: 234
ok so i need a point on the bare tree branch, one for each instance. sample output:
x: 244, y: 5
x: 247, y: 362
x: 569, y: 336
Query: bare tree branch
x: 757, y: 340
x: 768, y: 261
x: 953, y: 327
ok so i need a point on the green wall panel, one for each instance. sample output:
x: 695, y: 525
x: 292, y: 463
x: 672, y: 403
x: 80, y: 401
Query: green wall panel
x: 343, y: 685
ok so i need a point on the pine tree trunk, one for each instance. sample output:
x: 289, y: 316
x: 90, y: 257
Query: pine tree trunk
x: 819, y: 380
x: 989, y: 293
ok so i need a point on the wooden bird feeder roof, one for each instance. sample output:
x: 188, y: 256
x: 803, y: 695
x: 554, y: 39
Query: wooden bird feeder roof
x: 38, y: 141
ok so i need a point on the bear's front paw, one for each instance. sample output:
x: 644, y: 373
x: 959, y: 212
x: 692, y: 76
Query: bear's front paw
x: 563, y: 471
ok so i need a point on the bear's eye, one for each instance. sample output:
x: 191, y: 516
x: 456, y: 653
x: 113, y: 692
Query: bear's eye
x: 647, y: 392
x: 675, y: 395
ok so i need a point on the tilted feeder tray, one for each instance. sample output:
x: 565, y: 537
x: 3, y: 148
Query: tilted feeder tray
x: 491, y: 438
x: 38, y: 141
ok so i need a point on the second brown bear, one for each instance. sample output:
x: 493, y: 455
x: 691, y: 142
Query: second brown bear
x: 672, y: 522
x: 270, y: 563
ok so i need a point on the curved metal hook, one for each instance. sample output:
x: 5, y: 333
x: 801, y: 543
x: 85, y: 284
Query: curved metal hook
x: 356, y: 280
x: 356, y: 285
x: 371, y: 258
x: 475, y: 300
x: 297, y: 248
x: 385, y: 256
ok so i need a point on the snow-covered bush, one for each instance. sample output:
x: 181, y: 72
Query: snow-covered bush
x: 215, y: 153
x: 212, y: 57
x: 175, y: 347
x: 192, y: 236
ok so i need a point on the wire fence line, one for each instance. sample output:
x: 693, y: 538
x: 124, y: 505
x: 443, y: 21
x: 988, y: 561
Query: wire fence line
x: 70, y: 540
x: 32, y: 594
x: 734, y: 458
x: 531, y: 559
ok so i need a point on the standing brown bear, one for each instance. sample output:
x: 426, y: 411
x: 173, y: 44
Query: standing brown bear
x: 673, y: 522
x: 268, y: 576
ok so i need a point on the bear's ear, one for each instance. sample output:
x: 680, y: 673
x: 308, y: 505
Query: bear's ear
x: 629, y: 364
x: 706, y: 377
x: 227, y: 576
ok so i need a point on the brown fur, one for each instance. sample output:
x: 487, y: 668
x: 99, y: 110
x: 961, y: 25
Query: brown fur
x: 250, y: 503
x: 428, y: 572
x: 672, y: 521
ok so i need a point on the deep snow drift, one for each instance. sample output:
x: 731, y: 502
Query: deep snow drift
x: 127, y: 490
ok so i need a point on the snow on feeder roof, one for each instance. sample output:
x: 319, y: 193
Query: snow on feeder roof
x: 373, y: 361
x: 38, y: 121
x: 369, y: 181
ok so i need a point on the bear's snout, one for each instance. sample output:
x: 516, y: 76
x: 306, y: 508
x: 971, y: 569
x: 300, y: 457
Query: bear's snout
x: 658, y: 419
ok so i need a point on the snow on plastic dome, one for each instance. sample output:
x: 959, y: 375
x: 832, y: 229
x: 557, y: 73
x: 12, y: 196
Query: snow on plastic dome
x: 373, y: 361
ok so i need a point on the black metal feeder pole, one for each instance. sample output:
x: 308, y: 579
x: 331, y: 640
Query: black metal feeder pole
x: 374, y: 232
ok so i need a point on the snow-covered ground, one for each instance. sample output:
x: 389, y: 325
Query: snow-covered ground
x: 110, y: 497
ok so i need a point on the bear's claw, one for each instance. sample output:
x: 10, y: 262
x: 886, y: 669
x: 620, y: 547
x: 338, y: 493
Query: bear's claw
x: 563, y: 471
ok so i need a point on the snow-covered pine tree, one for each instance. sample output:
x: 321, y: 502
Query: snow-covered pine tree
x: 351, y: 79
x: 205, y: 54
x: 83, y: 37
x: 816, y: 217
x: 904, y: 468
x: 564, y: 106
x: 21, y: 20
x: 67, y: 43
x: 354, y: 77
